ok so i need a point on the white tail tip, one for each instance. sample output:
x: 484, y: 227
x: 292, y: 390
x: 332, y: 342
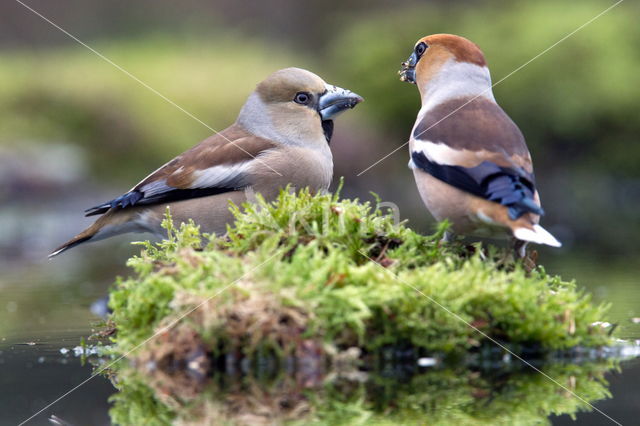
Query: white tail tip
x: 537, y: 235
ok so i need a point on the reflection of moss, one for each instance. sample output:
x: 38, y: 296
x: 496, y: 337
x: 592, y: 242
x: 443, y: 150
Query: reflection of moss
x: 136, y: 404
x: 461, y: 396
x: 453, y: 395
x: 301, y: 278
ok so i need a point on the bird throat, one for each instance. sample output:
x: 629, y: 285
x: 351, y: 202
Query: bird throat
x: 327, y: 128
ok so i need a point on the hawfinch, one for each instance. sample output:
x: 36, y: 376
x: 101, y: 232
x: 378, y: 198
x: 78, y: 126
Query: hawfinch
x: 470, y: 161
x: 280, y: 137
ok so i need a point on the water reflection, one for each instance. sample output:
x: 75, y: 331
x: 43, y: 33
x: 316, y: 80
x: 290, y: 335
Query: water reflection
x: 614, y: 281
x: 487, y: 392
x: 34, y: 373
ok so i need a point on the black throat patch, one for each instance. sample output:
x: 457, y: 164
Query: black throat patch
x: 327, y: 128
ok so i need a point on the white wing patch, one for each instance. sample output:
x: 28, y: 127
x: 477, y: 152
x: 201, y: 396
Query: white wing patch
x: 229, y: 176
x: 439, y: 152
x: 154, y: 188
x: 223, y: 175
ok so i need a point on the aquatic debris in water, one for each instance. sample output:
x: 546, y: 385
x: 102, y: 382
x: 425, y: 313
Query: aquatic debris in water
x: 55, y: 420
x: 427, y: 362
x: 80, y: 351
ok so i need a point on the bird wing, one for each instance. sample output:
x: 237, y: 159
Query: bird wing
x: 219, y: 164
x: 474, y: 146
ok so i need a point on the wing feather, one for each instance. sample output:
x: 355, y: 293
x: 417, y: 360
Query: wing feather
x: 513, y: 188
x: 475, y: 147
x: 219, y: 164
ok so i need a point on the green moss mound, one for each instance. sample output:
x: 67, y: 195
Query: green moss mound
x: 319, y: 272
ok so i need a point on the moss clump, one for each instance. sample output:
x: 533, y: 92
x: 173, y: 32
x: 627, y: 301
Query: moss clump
x: 331, y: 273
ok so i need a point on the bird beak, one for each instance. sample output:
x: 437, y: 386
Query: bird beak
x: 335, y: 100
x: 408, y: 70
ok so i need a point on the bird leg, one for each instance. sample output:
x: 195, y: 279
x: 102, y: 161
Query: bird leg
x: 530, y: 259
x: 448, y: 237
x: 519, y: 248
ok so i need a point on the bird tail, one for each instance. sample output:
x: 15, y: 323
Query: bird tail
x: 82, y: 237
x: 536, y: 234
x: 111, y: 223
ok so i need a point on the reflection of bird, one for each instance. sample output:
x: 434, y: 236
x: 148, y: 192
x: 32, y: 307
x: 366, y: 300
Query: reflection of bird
x: 470, y: 161
x: 281, y: 137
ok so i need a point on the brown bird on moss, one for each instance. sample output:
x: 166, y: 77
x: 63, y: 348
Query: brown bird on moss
x: 470, y: 161
x: 281, y: 137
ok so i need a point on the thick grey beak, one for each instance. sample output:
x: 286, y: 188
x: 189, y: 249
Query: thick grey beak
x: 335, y: 100
x: 408, y: 70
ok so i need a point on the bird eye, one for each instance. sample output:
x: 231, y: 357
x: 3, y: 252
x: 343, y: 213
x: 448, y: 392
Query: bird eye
x: 421, y: 48
x: 302, y: 98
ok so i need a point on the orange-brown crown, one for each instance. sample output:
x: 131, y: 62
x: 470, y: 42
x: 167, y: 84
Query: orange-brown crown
x: 462, y: 49
x: 439, y: 50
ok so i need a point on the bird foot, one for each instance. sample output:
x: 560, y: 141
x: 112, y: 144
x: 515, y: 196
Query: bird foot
x: 519, y: 248
x: 448, y: 237
x: 528, y: 259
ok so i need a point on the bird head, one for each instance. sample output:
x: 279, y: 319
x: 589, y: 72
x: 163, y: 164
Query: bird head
x: 432, y: 54
x: 293, y: 105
